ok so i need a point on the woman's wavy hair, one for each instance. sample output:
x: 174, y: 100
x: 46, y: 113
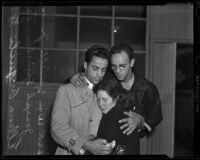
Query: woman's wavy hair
x: 115, y: 90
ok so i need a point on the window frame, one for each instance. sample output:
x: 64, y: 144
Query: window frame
x: 77, y: 50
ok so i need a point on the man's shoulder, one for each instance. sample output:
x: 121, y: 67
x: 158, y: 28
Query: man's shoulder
x: 68, y: 87
x: 143, y: 81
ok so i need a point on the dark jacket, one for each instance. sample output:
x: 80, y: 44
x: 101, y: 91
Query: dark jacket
x: 109, y: 129
x: 149, y: 103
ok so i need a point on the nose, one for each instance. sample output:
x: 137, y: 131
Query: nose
x: 100, y: 103
x: 99, y: 74
x: 117, y: 70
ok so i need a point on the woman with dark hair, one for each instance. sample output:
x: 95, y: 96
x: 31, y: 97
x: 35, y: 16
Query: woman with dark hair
x: 113, y: 100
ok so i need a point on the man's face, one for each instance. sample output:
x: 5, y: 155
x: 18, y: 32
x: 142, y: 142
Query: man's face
x: 96, y: 69
x: 121, y: 65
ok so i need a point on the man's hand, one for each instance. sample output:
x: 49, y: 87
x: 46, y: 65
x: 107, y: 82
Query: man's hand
x: 97, y: 147
x: 78, y: 80
x: 131, y: 123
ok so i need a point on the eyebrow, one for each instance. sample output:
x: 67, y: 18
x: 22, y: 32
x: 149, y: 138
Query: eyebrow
x: 119, y: 64
x: 98, y: 67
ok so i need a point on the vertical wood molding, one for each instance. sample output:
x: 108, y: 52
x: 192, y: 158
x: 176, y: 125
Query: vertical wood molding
x: 6, y: 12
x: 162, y: 139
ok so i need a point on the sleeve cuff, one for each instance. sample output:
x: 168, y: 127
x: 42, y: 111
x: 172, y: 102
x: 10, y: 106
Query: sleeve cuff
x: 147, y: 127
x: 78, y: 144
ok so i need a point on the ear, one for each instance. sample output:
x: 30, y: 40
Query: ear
x: 85, y: 65
x: 132, y: 62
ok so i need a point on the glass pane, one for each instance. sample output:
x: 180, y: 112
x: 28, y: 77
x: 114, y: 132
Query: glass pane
x: 31, y: 9
x: 60, y: 31
x: 139, y: 66
x: 28, y: 63
x: 29, y: 31
x: 95, y: 31
x: 96, y: 10
x: 81, y: 61
x: 132, y: 32
x: 130, y: 11
x: 59, y: 65
x: 61, y: 9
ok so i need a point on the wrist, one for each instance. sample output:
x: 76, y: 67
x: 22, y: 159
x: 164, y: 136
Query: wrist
x: 84, y: 148
x: 141, y: 122
x: 85, y: 145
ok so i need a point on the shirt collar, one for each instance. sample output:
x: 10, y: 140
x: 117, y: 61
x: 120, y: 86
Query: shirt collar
x: 90, y: 85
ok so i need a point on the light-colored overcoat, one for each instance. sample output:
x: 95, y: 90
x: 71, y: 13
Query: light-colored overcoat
x: 74, y: 117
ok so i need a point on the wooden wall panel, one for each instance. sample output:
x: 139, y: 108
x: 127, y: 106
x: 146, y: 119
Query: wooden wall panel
x: 164, y: 64
x: 172, y: 23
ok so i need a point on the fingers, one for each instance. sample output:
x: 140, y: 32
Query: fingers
x: 82, y: 82
x: 78, y: 84
x: 130, y: 114
x: 106, y: 149
x: 128, y: 127
x: 123, y: 120
x: 78, y: 80
x: 103, y: 141
x: 124, y: 126
x: 103, y: 148
x: 105, y: 152
x: 127, y: 113
x: 129, y: 130
x: 126, y: 131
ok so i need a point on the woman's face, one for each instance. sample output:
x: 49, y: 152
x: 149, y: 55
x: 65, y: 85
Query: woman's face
x: 105, y: 101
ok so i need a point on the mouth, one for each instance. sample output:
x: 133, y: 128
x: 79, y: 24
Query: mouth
x: 103, y: 109
x: 96, y: 81
x: 119, y: 76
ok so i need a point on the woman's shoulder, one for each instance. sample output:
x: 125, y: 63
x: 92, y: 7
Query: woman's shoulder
x: 118, y: 111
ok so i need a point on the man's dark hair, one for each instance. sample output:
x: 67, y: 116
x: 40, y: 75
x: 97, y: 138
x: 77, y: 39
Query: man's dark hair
x: 122, y: 47
x: 97, y: 51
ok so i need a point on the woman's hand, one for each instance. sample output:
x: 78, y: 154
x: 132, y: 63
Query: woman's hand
x: 98, y: 147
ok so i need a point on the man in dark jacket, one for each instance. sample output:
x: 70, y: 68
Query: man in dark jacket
x: 149, y: 105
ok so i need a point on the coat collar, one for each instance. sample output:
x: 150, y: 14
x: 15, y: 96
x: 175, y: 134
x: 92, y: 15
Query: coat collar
x: 90, y: 85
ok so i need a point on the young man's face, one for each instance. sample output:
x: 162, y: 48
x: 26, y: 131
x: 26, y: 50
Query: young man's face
x: 96, y: 69
x: 121, y: 65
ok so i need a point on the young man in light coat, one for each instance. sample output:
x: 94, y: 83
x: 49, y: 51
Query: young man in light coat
x: 75, y: 112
